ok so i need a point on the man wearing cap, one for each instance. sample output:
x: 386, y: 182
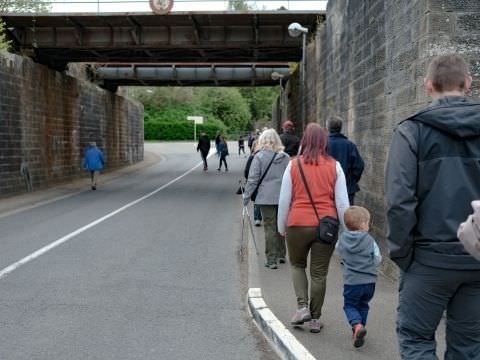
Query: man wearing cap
x: 289, y: 139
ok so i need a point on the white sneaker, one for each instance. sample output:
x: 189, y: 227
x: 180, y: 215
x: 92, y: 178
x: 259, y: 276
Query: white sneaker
x: 301, y: 316
x: 258, y: 222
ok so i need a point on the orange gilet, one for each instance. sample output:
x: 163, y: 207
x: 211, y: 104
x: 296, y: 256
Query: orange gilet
x: 321, y: 181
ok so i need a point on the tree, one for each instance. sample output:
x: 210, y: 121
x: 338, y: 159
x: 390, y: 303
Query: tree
x: 4, y: 42
x: 240, y: 5
x: 22, y: 6
x: 260, y: 101
x: 227, y: 105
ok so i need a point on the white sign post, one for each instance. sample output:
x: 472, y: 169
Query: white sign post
x: 196, y: 120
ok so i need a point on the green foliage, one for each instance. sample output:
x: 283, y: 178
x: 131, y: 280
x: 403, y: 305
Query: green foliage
x: 227, y: 105
x: 179, y: 130
x: 4, y: 42
x: 22, y: 6
x: 260, y: 101
x: 240, y: 5
x: 168, y: 112
x: 230, y: 110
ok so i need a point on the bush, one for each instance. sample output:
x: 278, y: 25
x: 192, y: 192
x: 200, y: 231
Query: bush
x: 179, y: 130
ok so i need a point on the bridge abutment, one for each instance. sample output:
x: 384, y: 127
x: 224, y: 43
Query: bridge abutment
x: 47, y: 119
x: 366, y: 63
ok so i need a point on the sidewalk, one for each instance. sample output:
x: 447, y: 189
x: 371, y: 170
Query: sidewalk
x: 18, y: 203
x: 334, y: 341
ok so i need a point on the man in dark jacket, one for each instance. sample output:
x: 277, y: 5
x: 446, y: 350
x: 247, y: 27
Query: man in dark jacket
x: 346, y: 153
x: 204, y: 148
x: 432, y: 175
x: 289, y: 139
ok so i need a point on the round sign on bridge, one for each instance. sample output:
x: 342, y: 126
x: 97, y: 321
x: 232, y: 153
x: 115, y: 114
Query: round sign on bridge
x: 161, y: 6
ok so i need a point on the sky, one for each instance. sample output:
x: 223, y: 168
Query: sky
x: 179, y: 5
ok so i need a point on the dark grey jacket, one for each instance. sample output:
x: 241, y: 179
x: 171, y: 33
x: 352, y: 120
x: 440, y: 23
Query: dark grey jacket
x: 291, y: 142
x: 432, y: 176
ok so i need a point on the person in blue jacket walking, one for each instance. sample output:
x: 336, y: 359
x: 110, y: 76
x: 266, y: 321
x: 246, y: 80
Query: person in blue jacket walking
x: 93, y: 161
x: 346, y: 153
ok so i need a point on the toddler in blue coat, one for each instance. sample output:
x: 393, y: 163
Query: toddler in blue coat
x: 361, y: 256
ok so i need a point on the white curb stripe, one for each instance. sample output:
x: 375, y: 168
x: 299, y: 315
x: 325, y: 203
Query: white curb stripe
x: 287, y: 344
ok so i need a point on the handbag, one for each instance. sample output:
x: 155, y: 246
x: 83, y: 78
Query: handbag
x: 255, y: 192
x: 327, y: 231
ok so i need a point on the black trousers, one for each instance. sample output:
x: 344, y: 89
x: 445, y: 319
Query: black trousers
x: 223, y: 158
x: 204, y: 158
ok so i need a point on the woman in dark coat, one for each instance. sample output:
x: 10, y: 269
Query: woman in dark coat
x: 223, y: 151
x: 204, y: 148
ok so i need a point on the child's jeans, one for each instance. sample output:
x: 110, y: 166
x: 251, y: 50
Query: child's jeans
x: 356, y: 299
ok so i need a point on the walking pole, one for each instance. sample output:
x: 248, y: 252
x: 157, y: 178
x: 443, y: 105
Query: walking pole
x: 245, y: 212
x: 251, y: 229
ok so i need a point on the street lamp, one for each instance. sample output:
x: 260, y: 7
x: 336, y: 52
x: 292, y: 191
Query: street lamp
x: 295, y: 30
x: 275, y: 77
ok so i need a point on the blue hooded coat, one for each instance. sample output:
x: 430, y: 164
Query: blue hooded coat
x: 93, y: 159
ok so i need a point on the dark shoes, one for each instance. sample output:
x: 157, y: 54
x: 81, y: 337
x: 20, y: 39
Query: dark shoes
x: 359, y: 333
x: 271, y: 265
x: 281, y: 260
x: 94, y: 187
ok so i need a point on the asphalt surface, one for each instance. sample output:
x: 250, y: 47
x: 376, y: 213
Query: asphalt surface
x: 163, y: 279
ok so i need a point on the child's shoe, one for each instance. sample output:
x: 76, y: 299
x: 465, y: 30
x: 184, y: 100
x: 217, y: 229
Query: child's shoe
x: 359, y: 333
x: 301, y: 315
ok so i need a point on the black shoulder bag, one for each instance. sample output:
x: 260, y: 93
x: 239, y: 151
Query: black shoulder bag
x: 327, y: 231
x: 255, y: 192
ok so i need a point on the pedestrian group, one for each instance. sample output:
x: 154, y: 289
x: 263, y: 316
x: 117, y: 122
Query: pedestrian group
x: 305, y: 192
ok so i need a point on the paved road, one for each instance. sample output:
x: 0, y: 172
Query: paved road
x: 161, y: 280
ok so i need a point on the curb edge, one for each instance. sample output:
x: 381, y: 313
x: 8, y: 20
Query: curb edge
x: 273, y: 329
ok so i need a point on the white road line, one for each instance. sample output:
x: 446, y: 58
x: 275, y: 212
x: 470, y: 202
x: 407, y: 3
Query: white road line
x: 4, y: 272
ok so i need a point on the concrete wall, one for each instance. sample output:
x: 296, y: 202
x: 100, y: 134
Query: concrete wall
x: 366, y: 64
x: 48, y: 118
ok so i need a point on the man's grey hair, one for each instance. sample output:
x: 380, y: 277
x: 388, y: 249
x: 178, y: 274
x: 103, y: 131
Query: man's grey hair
x: 335, y: 124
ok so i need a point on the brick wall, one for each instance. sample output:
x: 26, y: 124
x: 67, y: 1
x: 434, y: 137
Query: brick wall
x: 48, y: 118
x: 366, y: 64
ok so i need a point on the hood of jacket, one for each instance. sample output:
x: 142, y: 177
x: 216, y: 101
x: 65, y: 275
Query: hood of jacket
x: 354, y: 242
x: 265, y: 155
x: 455, y: 115
x: 337, y: 135
x: 357, y: 251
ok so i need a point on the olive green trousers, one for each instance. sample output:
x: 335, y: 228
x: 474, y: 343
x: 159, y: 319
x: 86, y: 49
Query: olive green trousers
x: 300, y: 242
x: 274, y: 242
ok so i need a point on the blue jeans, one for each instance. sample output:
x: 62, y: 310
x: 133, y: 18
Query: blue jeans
x: 257, y: 214
x: 356, y: 299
